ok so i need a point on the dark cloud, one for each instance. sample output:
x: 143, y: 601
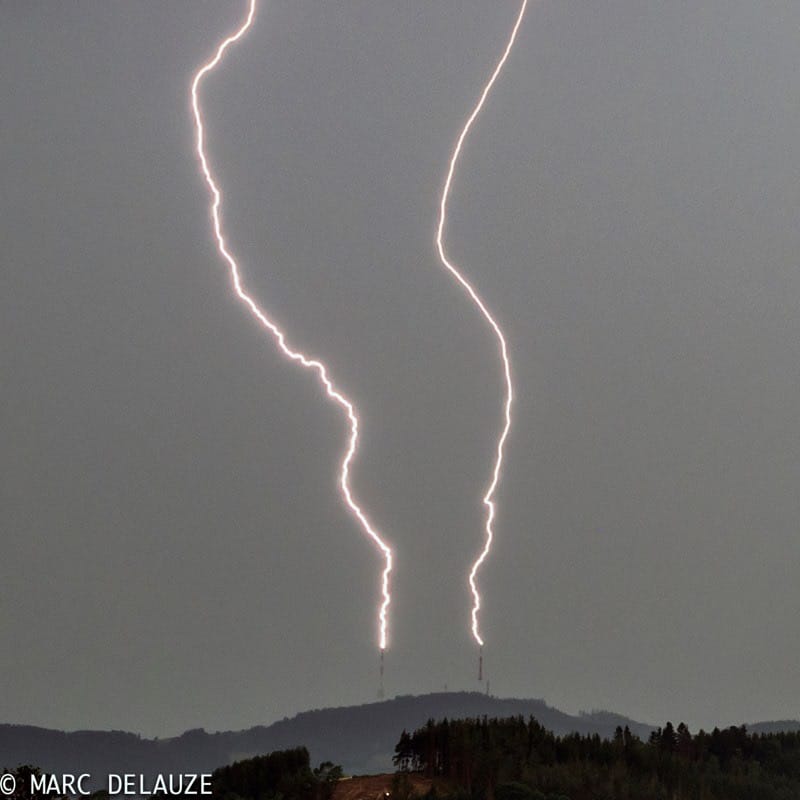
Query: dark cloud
x: 174, y: 550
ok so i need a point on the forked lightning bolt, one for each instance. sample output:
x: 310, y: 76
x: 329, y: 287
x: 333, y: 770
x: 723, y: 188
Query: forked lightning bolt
x: 280, y: 338
x: 488, y: 497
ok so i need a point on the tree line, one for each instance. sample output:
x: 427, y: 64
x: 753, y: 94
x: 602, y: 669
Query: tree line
x: 517, y: 759
x: 282, y: 775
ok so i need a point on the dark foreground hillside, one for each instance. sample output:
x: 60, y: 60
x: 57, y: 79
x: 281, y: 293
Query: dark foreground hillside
x: 360, y: 738
x: 517, y: 759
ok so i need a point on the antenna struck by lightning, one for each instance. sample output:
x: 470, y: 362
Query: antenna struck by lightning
x: 488, y: 499
x: 309, y: 363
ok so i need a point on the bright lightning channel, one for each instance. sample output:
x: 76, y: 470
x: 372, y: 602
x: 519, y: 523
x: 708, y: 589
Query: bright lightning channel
x: 280, y: 338
x: 488, y: 500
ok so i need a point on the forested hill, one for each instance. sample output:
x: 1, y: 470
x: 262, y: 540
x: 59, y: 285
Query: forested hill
x: 360, y: 738
x: 779, y: 726
x: 515, y: 759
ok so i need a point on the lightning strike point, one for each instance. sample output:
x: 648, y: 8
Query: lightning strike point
x: 488, y: 499
x: 311, y: 364
x: 480, y: 663
x: 380, y: 685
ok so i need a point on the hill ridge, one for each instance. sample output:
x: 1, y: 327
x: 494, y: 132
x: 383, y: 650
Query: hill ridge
x: 359, y: 737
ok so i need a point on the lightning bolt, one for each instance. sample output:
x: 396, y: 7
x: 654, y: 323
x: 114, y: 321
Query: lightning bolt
x: 488, y: 500
x: 280, y: 339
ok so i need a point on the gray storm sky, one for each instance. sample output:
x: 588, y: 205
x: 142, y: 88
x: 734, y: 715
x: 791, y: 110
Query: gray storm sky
x: 174, y: 551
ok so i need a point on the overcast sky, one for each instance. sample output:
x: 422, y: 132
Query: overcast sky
x: 174, y: 550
